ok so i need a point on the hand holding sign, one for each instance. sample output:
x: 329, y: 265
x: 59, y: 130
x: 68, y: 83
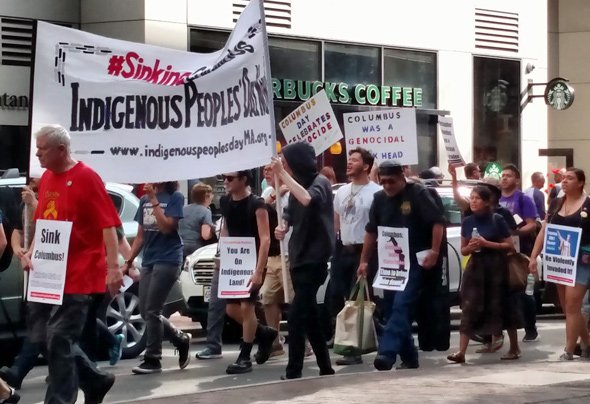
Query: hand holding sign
x: 255, y: 281
x: 25, y: 261
x: 114, y: 280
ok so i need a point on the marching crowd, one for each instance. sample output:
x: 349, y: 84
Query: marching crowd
x: 319, y: 227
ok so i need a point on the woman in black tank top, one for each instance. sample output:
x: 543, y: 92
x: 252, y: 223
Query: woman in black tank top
x: 573, y: 210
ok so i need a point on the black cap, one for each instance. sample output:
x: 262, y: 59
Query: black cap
x: 391, y: 167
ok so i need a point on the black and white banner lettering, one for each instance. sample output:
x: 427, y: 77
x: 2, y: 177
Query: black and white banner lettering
x: 140, y: 113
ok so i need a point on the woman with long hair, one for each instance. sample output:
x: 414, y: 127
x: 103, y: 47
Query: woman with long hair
x: 571, y: 210
x: 484, y: 292
x: 158, y: 214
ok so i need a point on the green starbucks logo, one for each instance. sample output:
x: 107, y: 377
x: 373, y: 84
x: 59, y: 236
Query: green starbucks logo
x: 559, y: 95
x: 493, y: 170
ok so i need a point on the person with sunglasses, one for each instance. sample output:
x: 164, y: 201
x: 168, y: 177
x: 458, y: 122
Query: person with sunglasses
x: 405, y: 204
x: 245, y: 215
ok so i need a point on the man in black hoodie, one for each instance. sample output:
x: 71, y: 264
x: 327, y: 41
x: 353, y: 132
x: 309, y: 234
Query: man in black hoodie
x: 311, y: 214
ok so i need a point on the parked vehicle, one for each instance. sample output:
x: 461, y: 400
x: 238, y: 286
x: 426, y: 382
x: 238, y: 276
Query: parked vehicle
x: 121, y: 314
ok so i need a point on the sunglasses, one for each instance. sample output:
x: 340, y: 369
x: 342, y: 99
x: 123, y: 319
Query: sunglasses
x: 229, y: 178
x: 387, y: 181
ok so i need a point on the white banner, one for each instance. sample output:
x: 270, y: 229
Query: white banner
x: 388, y: 134
x: 313, y: 122
x: 49, y: 258
x: 560, y: 254
x: 135, y: 113
x: 237, y: 257
x: 448, y: 135
x: 393, y: 250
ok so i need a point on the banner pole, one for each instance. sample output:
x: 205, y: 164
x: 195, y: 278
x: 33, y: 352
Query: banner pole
x: 273, y: 137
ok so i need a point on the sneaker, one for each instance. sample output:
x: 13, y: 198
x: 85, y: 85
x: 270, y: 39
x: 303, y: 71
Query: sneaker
x: 116, y: 351
x: 147, y: 367
x: 349, y: 360
x: 99, y: 388
x: 277, y: 350
x: 209, y: 353
x: 242, y: 365
x: 531, y: 337
x: 183, y: 350
x: 408, y: 365
x: 265, y: 343
x: 585, y: 353
x: 7, y: 374
x: 566, y: 356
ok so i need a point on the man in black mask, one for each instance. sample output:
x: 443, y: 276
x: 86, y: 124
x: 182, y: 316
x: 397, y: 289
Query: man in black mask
x: 311, y: 214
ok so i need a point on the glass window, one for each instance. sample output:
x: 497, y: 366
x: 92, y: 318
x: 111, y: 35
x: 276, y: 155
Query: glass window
x: 496, y: 119
x: 294, y: 59
x: 14, y: 147
x: 404, y: 68
x: 202, y: 41
x: 352, y: 64
x: 117, y: 201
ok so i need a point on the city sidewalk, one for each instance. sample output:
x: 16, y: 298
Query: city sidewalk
x: 501, y: 382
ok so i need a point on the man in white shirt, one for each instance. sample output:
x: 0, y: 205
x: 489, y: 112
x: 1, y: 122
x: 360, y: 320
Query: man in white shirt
x: 352, y: 203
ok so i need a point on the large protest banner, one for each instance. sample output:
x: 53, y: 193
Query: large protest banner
x: 389, y: 134
x: 313, y: 122
x: 140, y: 113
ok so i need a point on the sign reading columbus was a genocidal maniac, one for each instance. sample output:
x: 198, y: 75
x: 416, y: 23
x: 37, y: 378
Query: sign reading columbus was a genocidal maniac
x: 389, y: 134
x: 140, y: 113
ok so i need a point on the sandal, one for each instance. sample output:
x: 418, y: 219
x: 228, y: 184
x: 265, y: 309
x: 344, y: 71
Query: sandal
x: 510, y: 356
x: 456, y: 357
x: 487, y: 348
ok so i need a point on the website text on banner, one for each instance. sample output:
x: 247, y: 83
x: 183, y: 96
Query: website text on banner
x: 393, y: 250
x: 237, y: 263
x: 389, y: 134
x: 140, y: 113
x: 49, y: 259
x: 313, y: 122
x: 560, y: 258
x: 448, y: 135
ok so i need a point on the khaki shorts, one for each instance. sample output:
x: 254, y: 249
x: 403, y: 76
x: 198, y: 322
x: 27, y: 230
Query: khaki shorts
x: 272, y: 288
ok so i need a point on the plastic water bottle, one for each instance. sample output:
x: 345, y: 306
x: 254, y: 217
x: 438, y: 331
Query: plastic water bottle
x: 530, y: 285
x: 475, y: 234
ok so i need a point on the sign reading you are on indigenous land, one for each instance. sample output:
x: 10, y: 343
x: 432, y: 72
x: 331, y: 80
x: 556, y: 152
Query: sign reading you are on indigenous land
x: 389, y: 134
x: 313, y: 122
x: 140, y: 113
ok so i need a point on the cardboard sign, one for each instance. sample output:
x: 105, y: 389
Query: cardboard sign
x: 140, y: 113
x: 393, y: 250
x: 237, y: 264
x: 560, y: 256
x: 47, y: 279
x: 450, y: 142
x: 388, y: 134
x: 313, y: 122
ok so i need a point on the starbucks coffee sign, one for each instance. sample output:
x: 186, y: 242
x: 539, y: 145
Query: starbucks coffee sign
x: 559, y: 95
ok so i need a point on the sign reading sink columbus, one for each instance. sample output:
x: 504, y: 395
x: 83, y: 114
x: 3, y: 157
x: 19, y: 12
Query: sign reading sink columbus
x: 140, y: 113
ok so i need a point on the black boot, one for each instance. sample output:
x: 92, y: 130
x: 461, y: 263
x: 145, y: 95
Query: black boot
x: 265, y: 337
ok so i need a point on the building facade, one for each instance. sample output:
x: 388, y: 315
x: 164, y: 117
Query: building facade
x: 471, y: 60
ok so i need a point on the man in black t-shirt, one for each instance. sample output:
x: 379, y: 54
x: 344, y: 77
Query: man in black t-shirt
x: 408, y: 205
x: 245, y: 215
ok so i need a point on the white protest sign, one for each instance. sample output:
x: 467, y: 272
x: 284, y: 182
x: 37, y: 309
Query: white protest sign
x: 237, y: 257
x: 560, y: 254
x: 393, y: 250
x: 47, y: 279
x: 388, y: 134
x: 313, y: 122
x: 448, y: 134
x: 139, y: 113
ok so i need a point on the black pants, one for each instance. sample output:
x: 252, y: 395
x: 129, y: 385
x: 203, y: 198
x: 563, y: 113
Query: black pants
x: 61, y: 328
x: 304, y: 318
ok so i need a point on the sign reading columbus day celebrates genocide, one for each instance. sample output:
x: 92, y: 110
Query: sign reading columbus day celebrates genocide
x: 313, y: 122
x: 389, y: 134
x: 140, y: 113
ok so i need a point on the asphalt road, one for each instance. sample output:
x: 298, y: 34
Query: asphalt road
x: 201, y: 376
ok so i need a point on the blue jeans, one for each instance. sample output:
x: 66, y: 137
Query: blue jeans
x: 215, y: 316
x: 397, y: 336
x: 529, y: 313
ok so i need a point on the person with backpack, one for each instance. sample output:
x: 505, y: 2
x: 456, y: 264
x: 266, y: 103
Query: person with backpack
x: 525, y: 213
x: 246, y: 215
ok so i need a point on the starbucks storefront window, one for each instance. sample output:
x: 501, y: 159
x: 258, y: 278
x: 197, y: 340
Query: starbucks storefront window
x: 14, y: 147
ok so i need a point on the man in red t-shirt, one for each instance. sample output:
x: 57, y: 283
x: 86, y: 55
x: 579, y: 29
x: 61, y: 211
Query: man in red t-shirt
x: 71, y: 191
